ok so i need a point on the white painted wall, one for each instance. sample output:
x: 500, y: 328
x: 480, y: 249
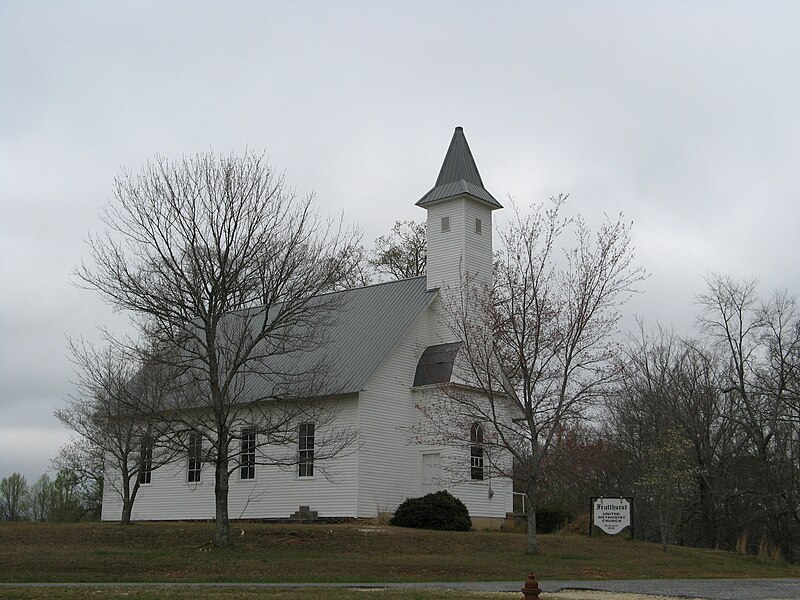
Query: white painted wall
x: 453, y: 447
x: 386, y: 473
x: 460, y: 254
x: 274, y: 493
x: 478, y: 246
x: 445, y: 248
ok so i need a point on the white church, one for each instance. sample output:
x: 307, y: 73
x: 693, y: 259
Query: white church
x: 392, y: 350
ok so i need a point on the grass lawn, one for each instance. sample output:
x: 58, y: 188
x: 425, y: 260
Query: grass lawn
x: 241, y: 594
x: 180, y: 552
x: 244, y: 594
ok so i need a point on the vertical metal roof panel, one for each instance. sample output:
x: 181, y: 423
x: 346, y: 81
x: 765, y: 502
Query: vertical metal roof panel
x: 367, y: 323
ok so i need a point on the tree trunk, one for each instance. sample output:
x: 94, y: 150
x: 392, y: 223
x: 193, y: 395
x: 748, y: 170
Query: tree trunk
x: 531, y: 543
x: 664, y: 526
x: 223, y: 534
x: 127, y: 501
x: 127, y: 509
x: 707, y: 511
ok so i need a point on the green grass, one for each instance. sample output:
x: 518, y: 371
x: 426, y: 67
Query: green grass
x: 242, y: 594
x: 180, y: 552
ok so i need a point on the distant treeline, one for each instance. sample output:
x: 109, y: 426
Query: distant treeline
x: 66, y: 498
x: 703, y: 431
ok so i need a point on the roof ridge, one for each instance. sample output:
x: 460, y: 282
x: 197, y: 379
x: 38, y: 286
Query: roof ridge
x: 258, y: 307
x: 370, y: 285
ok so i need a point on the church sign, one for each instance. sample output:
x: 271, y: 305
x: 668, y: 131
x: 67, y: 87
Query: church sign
x: 612, y: 515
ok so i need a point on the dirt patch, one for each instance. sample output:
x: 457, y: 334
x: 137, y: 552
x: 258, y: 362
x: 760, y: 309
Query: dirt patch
x: 596, y: 595
x: 586, y: 595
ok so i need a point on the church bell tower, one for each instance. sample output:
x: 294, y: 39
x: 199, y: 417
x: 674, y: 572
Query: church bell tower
x: 459, y: 224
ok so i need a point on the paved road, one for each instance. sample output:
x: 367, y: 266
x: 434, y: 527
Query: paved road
x: 713, y: 589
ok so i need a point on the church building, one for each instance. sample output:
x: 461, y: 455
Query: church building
x: 392, y: 348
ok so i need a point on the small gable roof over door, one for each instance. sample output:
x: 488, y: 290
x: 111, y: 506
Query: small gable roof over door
x: 436, y: 364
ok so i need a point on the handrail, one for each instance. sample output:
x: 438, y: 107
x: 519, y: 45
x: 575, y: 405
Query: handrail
x: 524, y: 499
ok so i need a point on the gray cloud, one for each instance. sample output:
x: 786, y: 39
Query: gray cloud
x: 683, y: 117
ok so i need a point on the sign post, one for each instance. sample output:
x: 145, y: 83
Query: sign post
x: 612, y: 515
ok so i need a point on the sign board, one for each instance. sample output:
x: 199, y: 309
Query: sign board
x: 612, y: 515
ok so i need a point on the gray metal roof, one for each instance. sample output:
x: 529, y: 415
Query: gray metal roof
x: 458, y: 175
x: 436, y: 364
x: 367, y: 323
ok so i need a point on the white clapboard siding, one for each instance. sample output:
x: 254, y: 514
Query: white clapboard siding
x: 274, y: 493
x: 445, y: 253
x: 475, y: 495
x: 460, y: 254
x: 455, y: 460
x: 386, y: 413
x: 478, y: 259
x: 445, y: 248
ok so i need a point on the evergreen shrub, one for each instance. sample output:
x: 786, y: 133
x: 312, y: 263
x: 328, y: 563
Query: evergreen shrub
x: 439, y: 510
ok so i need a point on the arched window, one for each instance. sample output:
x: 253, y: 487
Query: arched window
x: 476, y: 451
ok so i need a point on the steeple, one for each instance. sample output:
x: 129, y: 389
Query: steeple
x: 459, y: 175
x: 459, y: 231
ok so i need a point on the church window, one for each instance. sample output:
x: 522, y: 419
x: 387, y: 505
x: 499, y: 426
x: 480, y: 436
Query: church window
x: 305, y: 458
x: 445, y: 223
x: 476, y: 451
x: 195, y: 461
x: 247, y: 454
x: 478, y: 226
x: 146, y: 461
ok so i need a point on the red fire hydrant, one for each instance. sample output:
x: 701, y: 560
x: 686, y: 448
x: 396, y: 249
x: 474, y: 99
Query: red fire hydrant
x: 531, y: 590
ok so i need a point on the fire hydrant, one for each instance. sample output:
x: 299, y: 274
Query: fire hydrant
x: 531, y: 590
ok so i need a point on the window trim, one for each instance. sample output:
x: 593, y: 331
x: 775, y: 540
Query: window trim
x: 305, y: 449
x: 477, y: 463
x: 194, y: 460
x: 247, y: 453
x: 145, y: 475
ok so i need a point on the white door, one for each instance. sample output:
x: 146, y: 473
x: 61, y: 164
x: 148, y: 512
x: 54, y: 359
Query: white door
x: 431, y: 473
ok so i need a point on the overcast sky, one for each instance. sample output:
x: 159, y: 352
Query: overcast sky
x: 683, y: 115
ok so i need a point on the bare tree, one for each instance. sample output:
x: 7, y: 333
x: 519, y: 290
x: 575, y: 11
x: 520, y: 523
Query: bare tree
x: 355, y: 268
x: 731, y: 319
x: 403, y: 253
x: 72, y: 499
x: 40, y: 495
x: 113, y: 414
x: 87, y: 462
x: 227, y: 272
x: 760, y: 342
x: 535, y: 350
x: 779, y: 375
x: 14, y: 497
x: 668, y: 475
x: 728, y: 396
x: 672, y: 384
x: 581, y: 463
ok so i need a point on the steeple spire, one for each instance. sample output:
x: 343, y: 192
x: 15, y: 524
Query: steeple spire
x: 459, y: 175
